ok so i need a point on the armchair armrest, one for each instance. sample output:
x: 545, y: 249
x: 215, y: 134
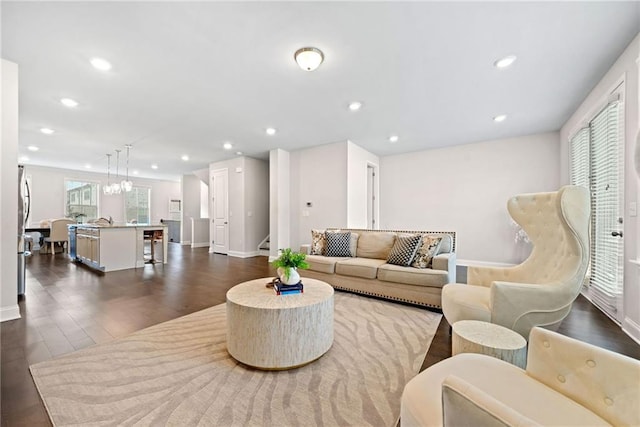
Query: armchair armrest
x: 512, y: 303
x: 446, y: 262
x: 305, y: 249
x: 600, y: 380
x: 464, y: 404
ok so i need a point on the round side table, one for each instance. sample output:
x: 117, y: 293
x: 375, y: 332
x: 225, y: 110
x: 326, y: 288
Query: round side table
x: 274, y: 332
x: 474, y: 336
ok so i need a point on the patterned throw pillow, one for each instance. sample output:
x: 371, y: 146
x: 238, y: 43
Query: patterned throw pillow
x: 338, y: 244
x: 404, y: 249
x: 318, y: 242
x: 426, y: 252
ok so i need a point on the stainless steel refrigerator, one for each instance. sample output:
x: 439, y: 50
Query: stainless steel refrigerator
x: 24, y: 209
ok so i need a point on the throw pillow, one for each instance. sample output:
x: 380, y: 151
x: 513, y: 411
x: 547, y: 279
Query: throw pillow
x: 318, y: 242
x: 353, y: 245
x: 338, y: 244
x: 426, y: 252
x: 404, y: 249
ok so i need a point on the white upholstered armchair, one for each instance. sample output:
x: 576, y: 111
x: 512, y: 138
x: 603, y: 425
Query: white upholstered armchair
x: 539, y: 291
x: 566, y: 383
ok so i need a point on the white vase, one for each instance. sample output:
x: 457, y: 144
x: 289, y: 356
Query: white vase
x: 294, y: 277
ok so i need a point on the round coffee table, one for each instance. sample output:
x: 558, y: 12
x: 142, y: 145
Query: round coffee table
x: 273, y: 332
x: 474, y: 336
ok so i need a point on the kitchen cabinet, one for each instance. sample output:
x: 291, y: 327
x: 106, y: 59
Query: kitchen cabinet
x: 112, y: 248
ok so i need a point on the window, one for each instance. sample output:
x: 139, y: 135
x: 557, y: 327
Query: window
x: 595, y: 162
x: 136, y: 205
x: 81, y: 200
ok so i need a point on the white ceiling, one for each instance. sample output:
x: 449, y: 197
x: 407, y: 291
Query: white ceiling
x: 188, y: 76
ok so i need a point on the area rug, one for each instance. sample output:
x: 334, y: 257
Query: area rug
x: 179, y: 373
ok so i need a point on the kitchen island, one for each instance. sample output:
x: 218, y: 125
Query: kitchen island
x: 117, y: 247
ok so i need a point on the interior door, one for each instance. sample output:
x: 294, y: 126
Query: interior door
x: 220, y: 217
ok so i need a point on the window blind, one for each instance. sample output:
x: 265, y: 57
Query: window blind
x: 579, y: 158
x: 606, y: 184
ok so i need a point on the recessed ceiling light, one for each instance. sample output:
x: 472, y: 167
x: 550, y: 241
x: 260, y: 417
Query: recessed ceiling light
x: 135, y: 172
x: 47, y: 131
x: 185, y: 158
x: 100, y: 64
x: 32, y: 148
x: 271, y: 131
x: 355, y: 106
x: 238, y: 153
x: 500, y: 118
x: 69, y: 102
x: 505, y: 62
x: 228, y: 146
x: 23, y: 159
x: 393, y: 138
x: 154, y: 166
x: 87, y: 166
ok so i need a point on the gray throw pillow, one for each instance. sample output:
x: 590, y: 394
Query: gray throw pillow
x: 338, y: 244
x: 404, y: 249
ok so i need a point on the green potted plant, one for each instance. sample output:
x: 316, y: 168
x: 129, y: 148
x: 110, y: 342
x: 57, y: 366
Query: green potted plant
x: 287, y: 266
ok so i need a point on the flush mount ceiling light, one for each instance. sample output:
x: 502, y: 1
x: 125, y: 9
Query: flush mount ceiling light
x: 393, y: 139
x: 47, y: 131
x: 309, y: 58
x: 154, y: 166
x: 271, y: 131
x: 87, y: 166
x: 227, y: 146
x: 505, y: 62
x: 500, y: 118
x: 135, y: 172
x: 100, y: 64
x: 23, y: 159
x: 238, y: 153
x: 355, y: 106
x: 185, y: 158
x: 32, y: 148
x: 68, y: 102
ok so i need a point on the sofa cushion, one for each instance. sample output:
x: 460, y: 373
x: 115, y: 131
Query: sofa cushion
x: 323, y: 264
x: 318, y: 242
x: 338, y: 244
x: 404, y: 249
x: 427, y: 250
x: 413, y: 276
x: 375, y: 244
x: 359, y: 267
x: 446, y: 244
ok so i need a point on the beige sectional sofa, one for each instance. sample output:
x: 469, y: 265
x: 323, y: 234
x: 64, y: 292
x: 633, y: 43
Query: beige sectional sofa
x: 369, y: 273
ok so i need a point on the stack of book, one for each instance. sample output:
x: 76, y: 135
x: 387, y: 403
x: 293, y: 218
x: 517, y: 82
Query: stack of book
x: 282, y: 289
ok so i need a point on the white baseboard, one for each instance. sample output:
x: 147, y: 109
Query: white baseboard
x: 200, y: 245
x: 272, y: 258
x: 239, y: 254
x: 9, y: 313
x: 632, y: 329
x: 185, y: 242
x: 476, y: 263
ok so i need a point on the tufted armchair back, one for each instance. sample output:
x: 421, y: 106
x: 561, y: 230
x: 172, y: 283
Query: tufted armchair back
x: 540, y: 291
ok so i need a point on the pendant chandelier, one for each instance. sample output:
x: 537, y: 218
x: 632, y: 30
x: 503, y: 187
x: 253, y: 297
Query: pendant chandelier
x: 107, y: 188
x: 127, y: 185
x: 115, y: 187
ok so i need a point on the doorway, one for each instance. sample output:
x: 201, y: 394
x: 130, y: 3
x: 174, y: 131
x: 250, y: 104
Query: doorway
x: 220, y: 209
x: 371, y: 196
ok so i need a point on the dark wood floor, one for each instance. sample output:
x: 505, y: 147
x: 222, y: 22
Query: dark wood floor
x: 68, y: 307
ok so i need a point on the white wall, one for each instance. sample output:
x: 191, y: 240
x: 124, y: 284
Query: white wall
x: 357, y: 161
x: 281, y: 223
x: 246, y: 178
x: 190, y: 186
x: 319, y: 176
x: 465, y: 189
x: 626, y: 68
x: 256, y: 202
x: 48, y: 194
x: 9, y: 192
